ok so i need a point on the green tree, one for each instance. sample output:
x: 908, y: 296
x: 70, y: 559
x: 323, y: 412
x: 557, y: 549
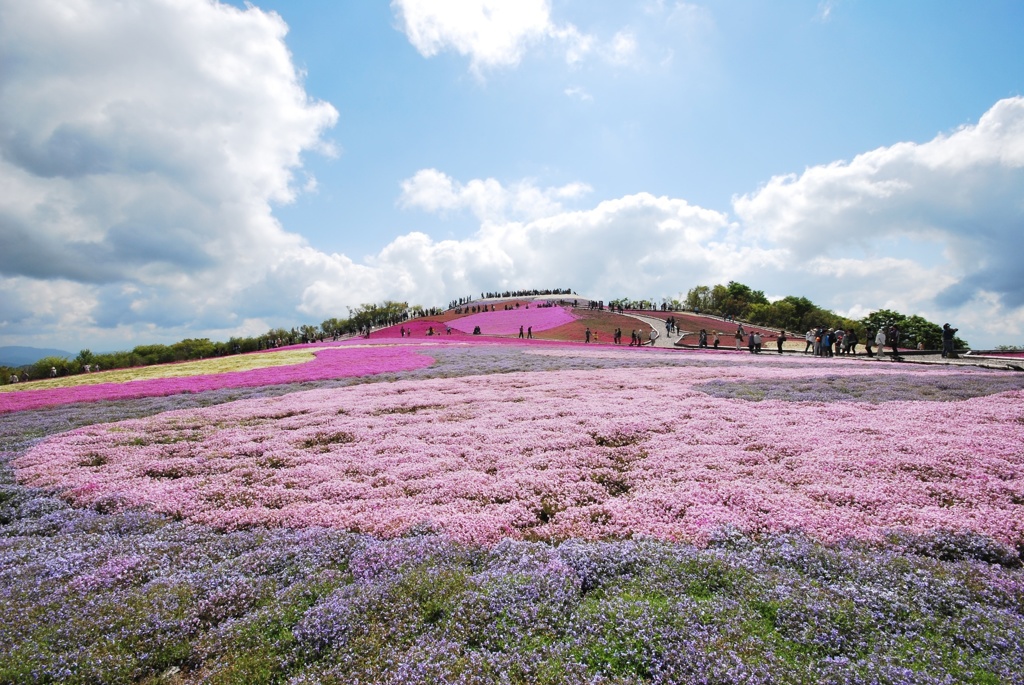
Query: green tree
x: 192, y: 348
x: 42, y: 368
x: 153, y: 354
x: 699, y: 298
x: 915, y: 329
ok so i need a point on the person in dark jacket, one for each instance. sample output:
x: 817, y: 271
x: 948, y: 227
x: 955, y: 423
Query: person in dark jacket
x: 948, y: 333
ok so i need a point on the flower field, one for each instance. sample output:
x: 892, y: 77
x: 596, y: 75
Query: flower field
x: 242, y: 362
x: 507, y: 322
x: 263, y: 369
x: 460, y: 511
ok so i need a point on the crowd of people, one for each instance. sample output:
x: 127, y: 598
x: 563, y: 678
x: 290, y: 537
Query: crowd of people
x: 828, y: 342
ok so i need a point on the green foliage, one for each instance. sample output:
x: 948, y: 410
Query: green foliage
x: 43, y: 368
x: 799, y: 314
x: 372, y: 315
x: 192, y: 348
x: 153, y: 354
x: 914, y: 329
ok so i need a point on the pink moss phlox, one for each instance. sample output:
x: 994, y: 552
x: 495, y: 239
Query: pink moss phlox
x: 507, y: 322
x: 555, y: 455
x: 332, y: 362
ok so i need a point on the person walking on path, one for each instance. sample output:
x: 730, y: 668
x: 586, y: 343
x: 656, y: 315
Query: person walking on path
x: 781, y: 339
x: 529, y: 333
x: 521, y: 332
x: 587, y: 334
x: 654, y: 336
x: 880, y: 342
x: 739, y: 336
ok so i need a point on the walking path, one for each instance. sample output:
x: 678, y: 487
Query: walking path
x: 658, y: 325
x: 1009, y: 364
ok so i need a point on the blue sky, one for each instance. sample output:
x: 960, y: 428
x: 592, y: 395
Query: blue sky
x: 183, y: 168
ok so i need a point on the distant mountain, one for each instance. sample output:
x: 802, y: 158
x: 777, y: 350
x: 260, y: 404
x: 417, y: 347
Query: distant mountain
x: 20, y: 356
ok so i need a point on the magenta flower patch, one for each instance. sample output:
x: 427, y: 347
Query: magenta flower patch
x: 602, y: 454
x: 507, y: 322
x: 332, y: 362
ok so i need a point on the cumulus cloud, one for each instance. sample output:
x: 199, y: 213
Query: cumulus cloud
x: 433, y: 191
x: 956, y: 197
x: 492, y: 33
x: 141, y: 149
x: 498, y: 33
x: 622, y: 48
x: 628, y: 245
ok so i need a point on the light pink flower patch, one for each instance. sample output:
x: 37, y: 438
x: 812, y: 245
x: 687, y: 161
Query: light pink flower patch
x: 553, y: 455
x: 507, y: 322
x: 330, y: 362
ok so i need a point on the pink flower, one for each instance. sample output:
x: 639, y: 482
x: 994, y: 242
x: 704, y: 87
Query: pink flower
x: 554, y: 455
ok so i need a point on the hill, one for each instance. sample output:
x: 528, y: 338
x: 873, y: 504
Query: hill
x: 20, y: 356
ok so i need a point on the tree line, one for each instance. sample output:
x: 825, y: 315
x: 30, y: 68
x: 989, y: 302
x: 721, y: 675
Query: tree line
x: 362, y: 318
x: 799, y: 314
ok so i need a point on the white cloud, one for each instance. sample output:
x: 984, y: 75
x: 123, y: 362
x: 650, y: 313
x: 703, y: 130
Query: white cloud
x: 433, y: 191
x: 140, y: 151
x: 497, y: 33
x: 492, y: 33
x: 577, y: 45
x: 622, y: 48
x: 961, y: 191
x: 629, y: 245
x: 825, y: 8
x: 950, y: 208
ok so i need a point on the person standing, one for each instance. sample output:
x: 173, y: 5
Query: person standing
x: 948, y: 333
x: 893, y: 338
x: 587, y: 334
x: 521, y: 334
x: 739, y: 336
x: 529, y: 333
x: 780, y: 341
x: 850, y: 343
x: 880, y: 342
